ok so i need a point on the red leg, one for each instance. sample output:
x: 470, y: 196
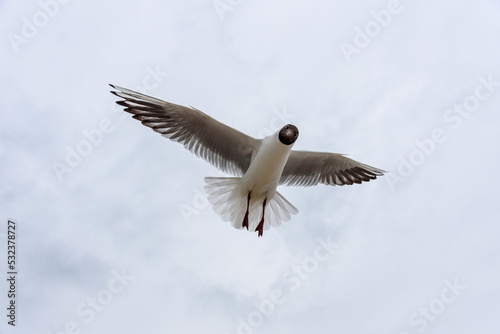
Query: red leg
x: 260, y: 227
x: 245, y: 220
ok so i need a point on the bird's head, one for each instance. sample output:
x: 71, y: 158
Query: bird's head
x: 288, y: 134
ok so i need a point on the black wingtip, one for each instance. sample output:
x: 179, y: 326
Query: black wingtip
x: 381, y: 172
x: 112, y: 91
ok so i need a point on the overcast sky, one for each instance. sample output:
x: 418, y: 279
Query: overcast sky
x: 114, y: 234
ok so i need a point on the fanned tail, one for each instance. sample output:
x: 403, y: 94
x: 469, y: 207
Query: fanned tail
x: 230, y: 202
x: 278, y: 210
x: 226, y: 202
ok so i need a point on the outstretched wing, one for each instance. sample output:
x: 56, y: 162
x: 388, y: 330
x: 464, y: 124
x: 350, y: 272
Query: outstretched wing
x: 310, y: 168
x: 222, y: 146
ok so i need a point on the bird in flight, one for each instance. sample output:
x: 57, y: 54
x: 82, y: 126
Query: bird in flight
x: 249, y: 199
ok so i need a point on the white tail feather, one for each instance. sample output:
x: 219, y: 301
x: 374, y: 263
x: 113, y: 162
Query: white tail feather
x: 230, y: 202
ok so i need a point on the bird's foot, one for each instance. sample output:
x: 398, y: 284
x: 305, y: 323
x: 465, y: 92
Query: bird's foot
x: 260, y: 227
x: 245, y: 220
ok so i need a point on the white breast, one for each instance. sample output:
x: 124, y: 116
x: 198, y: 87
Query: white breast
x: 265, y: 170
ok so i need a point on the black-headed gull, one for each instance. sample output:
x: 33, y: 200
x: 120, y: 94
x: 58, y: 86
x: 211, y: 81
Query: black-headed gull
x: 249, y: 200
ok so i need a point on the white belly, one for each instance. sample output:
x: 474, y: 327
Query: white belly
x: 265, y: 170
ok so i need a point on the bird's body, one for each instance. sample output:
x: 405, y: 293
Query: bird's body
x: 249, y: 200
x: 239, y: 201
x: 264, y: 172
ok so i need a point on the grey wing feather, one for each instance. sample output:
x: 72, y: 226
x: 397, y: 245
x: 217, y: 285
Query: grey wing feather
x: 310, y: 168
x: 222, y: 146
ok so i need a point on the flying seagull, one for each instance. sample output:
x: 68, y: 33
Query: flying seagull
x: 248, y: 200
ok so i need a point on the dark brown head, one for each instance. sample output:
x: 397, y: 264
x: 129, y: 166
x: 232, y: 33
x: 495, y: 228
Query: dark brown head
x: 288, y: 134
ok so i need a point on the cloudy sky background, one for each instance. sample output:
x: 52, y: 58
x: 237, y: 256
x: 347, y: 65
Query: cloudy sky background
x: 133, y: 205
